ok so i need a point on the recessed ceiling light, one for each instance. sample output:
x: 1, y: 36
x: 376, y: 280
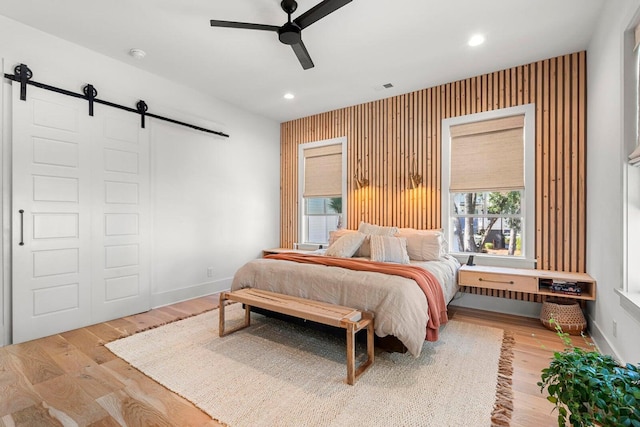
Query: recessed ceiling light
x: 137, y: 53
x: 476, y: 39
x: 288, y: 96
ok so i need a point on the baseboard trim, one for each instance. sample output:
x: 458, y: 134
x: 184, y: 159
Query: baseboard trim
x: 603, y: 344
x: 195, y: 291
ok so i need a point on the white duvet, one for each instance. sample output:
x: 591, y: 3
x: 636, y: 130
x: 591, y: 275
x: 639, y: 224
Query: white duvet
x: 399, y: 305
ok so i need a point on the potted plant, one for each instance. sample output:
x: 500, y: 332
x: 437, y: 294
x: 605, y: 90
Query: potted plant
x: 589, y: 388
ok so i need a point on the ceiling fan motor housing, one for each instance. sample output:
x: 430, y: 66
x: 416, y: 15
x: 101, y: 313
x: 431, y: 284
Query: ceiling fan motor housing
x: 289, y: 34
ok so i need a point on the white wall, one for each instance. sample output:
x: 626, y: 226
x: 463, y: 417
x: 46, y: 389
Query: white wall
x: 215, y: 200
x: 606, y: 166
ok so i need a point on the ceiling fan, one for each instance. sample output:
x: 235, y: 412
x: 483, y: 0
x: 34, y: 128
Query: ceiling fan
x: 290, y: 32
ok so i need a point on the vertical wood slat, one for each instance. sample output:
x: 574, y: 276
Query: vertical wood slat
x: 383, y: 136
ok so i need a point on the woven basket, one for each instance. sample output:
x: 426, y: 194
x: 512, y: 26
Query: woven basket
x: 568, y: 315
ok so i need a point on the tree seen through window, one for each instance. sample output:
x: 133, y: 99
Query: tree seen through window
x: 489, y: 222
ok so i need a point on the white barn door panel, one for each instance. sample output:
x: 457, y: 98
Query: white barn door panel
x: 120, y: 241
x: 51, y: 220
x: 81, y: 183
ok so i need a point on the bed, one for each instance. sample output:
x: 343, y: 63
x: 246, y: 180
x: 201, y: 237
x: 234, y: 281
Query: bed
x: 400, y: 305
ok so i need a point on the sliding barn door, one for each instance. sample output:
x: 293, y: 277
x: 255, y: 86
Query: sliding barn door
x: 120, y: 202
x: 51, y: 284
x: 80, y: 191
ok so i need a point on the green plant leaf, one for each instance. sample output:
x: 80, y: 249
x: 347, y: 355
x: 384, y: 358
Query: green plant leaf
x: 591, y: 387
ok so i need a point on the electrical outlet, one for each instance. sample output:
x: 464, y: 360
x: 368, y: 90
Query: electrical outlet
x: 209, y: 271
x: 615, y: 328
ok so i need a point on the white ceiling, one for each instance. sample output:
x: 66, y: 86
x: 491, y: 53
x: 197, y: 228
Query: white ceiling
x: 412, y: 44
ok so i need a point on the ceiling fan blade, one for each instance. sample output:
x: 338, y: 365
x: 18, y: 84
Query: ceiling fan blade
x: 319, y: 11
x: 243, y: 25
x: 303, y: 55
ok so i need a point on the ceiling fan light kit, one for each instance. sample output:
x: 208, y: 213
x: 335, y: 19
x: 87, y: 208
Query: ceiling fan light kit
x: 291, y: 32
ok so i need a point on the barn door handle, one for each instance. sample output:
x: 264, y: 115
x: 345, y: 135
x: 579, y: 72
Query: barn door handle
x: 21, y: 227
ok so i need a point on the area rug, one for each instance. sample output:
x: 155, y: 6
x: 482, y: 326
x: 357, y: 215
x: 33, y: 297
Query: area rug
x: 279, y: 374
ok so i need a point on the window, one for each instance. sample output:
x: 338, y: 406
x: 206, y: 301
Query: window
x: 321, y: 215
x: 488, y: 180
x: 630, y: 291
x: 492, y: 224
x: 322, y: 168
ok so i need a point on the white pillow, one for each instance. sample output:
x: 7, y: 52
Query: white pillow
x: 378, y: 230
x: 389, y: 249
x: 346, y: 245
x: 424, y: 245
x: 336, y: 234
x: 372, y: 229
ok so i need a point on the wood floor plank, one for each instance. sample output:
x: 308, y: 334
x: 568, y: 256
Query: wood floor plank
x: 108, y: 421
x: 532, y: 412
x: 123, y: 326
x: 66, y: 400
x: 34, y: 415
x: 90, y: 344
x: 141, y: 388
x: 131, y: 412
x: 73, y: 361
x: 106, y: 331
x: 35, y: 363
x: 97, y: 381
x: 144, y: 321
x: 16, y: 391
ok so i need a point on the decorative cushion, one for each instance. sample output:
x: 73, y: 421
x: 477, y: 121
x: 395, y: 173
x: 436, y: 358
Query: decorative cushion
x: 424, y: 245
x: 372, y: 229
x: 336, y: 234
x: 389, y: 249
x: 378, y: 230
x: 346, y: 245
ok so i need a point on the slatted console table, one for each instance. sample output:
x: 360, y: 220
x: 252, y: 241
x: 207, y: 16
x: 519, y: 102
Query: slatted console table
x: 350, y: 319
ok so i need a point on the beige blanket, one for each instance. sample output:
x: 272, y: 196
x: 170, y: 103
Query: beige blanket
x: 400, y: 306
x: 427, y: 281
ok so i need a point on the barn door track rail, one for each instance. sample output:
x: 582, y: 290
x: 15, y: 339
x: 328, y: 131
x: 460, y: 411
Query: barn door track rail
x: 23, y: 74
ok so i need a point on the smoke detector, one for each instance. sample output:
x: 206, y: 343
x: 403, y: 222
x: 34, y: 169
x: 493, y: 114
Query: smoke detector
x: 137, y: 53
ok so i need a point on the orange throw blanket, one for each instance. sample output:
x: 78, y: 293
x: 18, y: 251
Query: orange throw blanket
x: 427, y: 281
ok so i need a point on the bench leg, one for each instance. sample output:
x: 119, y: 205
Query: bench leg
x: 351, y: 354
x: 247, y: 317
x: 354, y: 373
x: 370, y: 341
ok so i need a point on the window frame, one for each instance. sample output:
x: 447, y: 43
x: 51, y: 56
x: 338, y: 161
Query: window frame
x: 528, y: 259
x: 302, y: 232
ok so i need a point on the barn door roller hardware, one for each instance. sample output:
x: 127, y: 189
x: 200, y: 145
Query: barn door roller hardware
x: 23, y: 75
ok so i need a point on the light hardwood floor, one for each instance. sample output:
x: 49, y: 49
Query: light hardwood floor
x: 72, y: 376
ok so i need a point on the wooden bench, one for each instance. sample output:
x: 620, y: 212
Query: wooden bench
x: 334, y: 315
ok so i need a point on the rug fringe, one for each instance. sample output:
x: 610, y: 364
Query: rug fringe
x: 503, y: 407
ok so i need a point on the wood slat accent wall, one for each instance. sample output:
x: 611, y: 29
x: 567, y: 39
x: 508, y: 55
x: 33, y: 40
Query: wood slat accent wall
x: 385, y: 134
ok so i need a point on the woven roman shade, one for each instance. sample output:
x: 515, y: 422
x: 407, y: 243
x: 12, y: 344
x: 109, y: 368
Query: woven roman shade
x: 323, y: 171
x: 488, y: 155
